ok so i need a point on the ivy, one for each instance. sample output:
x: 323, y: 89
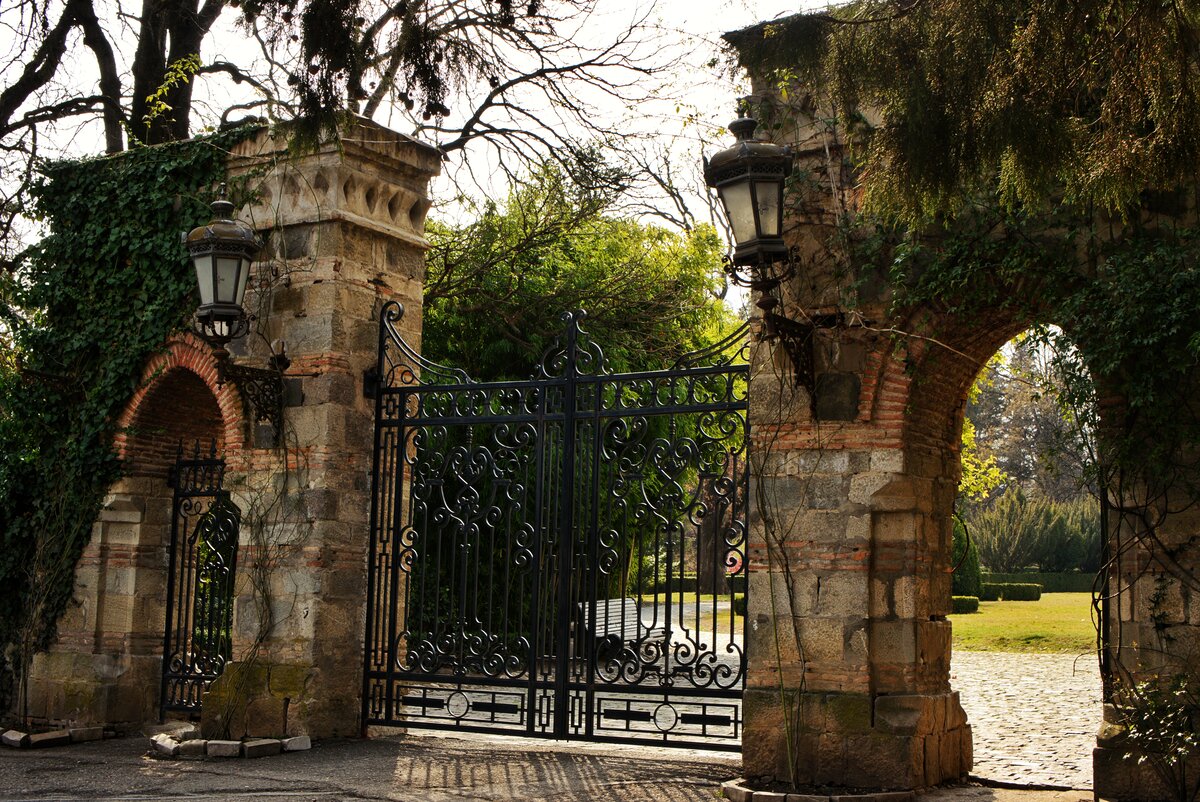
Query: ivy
x: 83, y: 311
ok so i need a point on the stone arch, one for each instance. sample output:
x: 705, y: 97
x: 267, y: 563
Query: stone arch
x: 178, y: 397
x: 111, y: 638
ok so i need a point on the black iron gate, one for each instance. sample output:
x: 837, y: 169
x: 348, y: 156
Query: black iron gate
x: 203, y: 553
x: 559, y: 557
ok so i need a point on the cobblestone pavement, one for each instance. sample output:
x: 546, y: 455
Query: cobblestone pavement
x: 1034, y: 716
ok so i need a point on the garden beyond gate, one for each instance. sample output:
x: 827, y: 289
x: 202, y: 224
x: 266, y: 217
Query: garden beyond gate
x: 559, y: 557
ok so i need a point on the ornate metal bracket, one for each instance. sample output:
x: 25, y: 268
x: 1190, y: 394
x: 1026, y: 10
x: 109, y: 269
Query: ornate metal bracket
x: 798, y: 339
x: 262, y: 390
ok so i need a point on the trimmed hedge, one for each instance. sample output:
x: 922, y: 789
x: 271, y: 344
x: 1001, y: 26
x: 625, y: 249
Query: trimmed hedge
x: 1010, y: 591
x: 964, y: 604
x: 1067, y: 582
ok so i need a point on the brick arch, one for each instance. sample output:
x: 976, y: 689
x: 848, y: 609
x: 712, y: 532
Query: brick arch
x: 178, y: 398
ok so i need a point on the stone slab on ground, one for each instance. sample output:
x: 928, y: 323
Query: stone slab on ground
x: 84, y: 734
x: 195, y: 748
x: 15, y: 738
x: 261, y: 747
x: 52, y: 738
x: 224, y: 748
x: 164, y: 744
x: 297, y: 743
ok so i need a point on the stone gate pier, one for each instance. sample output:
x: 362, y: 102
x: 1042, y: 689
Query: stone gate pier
x: 344, y: 231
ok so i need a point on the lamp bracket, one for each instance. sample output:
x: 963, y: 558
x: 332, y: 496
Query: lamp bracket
x: 261, y: 389
x: 765, y: 276
x: 798, y: 340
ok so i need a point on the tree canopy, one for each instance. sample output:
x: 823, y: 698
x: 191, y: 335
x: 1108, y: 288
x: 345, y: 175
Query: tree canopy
x: 497, y: 286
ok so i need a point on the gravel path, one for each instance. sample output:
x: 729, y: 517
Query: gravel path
x: 1034, y: 716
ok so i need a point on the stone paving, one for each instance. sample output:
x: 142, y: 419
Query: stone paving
x: 1034, y: 716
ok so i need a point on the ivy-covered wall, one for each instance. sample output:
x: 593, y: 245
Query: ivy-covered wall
x: 856, y: 490
x: 84, y: 309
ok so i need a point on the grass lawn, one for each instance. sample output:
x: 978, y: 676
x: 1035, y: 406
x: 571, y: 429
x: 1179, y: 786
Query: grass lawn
x: 1059, y: 623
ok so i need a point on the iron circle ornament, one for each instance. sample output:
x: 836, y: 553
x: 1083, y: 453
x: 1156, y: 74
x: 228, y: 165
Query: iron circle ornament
x: 666, y: 717
x: 458, y: 704
x: 749, y: 178
x: 221, y: 252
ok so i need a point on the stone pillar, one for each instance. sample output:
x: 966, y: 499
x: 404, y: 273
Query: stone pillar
x: 344, y: 224
x: 855, y: 469
x: 344, y: 227
x: 1153, y: 625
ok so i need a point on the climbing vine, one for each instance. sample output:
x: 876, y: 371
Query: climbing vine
x: 81, y: 313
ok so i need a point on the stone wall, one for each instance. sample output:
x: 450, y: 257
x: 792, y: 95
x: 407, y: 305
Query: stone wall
x: 856, y: 477
x: 344, y: 229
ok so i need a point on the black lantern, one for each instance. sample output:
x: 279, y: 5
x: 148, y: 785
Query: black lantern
x: 221, y: 252
x: 749, y: 179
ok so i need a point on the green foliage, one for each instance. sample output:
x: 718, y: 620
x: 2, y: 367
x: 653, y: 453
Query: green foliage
x: 1060, y: 582
x: 960, y: 605
x: 1017, y: 532
x: 1090, y: 100
x: 980, y: 473
x: 1010, y: 591
x: 497, y: 287
x: 965, y: 559
x: 1161, y: 719
x: 92, y: 301
x: 178, y: 72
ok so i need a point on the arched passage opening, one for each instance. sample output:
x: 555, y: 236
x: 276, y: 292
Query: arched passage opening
x: 1028, y: 544
x: 1032, y: 715
x: 106, y: 666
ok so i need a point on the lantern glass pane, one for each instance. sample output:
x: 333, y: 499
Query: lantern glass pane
x: 739, y: 208
x: 767, y: 194
x: 229, y: 279
x: 204, y: 276
x: 243, y: 276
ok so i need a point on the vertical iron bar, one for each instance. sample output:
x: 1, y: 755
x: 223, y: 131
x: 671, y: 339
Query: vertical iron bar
x: 539, y: 540
x: 176, y: 479
x: 566, y: 540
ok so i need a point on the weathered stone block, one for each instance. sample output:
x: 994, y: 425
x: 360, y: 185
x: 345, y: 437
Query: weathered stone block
x: 905, y: 714
x: 15, y: 738
x: 164, y: 744
x: 896, y: 527
x: 735, y: 791
x: 297, y: 743
x: 887, y: 460
x: 218, y: 748
x: 847, y: 713
x: 81, y: 734
x: 261, y: 747
x: 53, y: 738
x: 885, y: 761
x: 864, y: 486
x: 893, y: 641
x: 195, y: 748
x: 823, y: 639
x: 843, y: 594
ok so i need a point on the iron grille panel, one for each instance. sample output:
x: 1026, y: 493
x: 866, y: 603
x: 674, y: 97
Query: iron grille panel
x: 202, y: 559
x: 554, y: 557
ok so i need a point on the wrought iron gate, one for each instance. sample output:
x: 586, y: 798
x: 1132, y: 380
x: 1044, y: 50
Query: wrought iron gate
x: 555, y: 557
x: 203, y: 554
